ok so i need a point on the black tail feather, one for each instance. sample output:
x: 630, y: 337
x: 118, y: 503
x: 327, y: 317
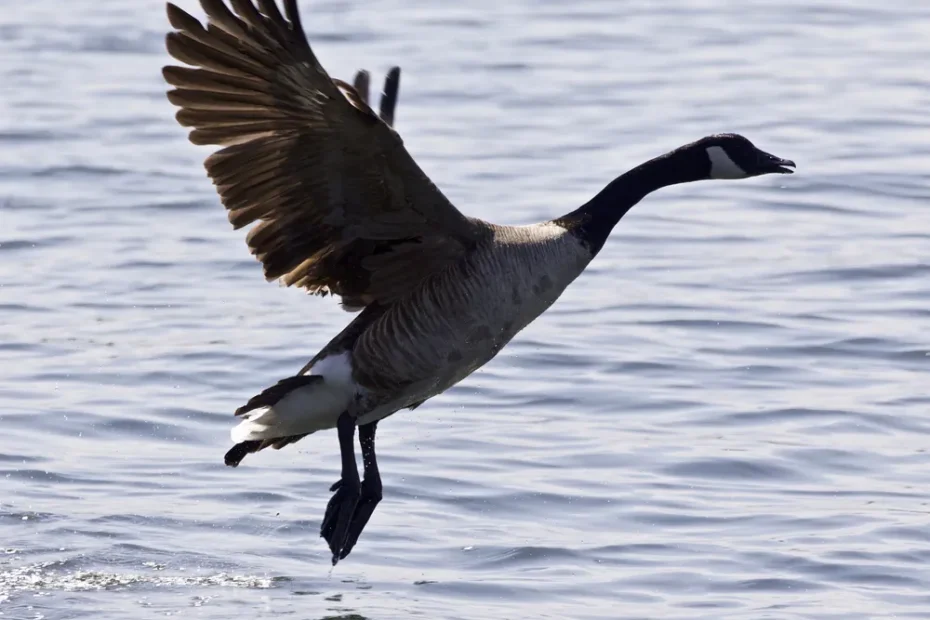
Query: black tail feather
x: 238, y: 451
x: 241, y: 449
x: 268, y: 398
x: 276, y: 392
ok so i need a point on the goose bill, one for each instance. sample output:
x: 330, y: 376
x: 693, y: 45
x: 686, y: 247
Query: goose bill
x: 770, y: 163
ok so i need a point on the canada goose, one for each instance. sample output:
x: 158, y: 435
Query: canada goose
x: 343, y: 209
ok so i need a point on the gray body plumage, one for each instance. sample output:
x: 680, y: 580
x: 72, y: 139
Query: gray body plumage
x: 462, y: 317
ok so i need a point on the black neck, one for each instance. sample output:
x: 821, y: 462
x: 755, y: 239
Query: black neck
x: 593, y: 221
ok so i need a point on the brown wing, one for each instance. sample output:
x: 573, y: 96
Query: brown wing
x: 342, y: 207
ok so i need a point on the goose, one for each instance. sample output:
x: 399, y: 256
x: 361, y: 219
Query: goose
x: 340, y: 207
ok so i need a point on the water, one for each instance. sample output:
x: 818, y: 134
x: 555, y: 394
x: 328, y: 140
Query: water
x: 726, y: 417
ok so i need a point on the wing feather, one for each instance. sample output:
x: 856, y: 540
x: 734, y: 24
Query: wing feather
x: 338, y: 205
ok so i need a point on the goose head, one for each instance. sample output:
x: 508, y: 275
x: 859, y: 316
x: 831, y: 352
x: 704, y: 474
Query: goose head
x: 731, y: 156
x: 720, y: 156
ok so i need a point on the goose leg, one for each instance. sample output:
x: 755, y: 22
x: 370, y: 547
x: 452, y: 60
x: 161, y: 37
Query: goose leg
x: 371, y: 488
x: 341, y: 507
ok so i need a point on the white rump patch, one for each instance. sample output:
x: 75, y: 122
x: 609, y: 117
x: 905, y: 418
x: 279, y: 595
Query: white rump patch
x: 721, y: 166
x: 307, y: 409
x: 336, y: 369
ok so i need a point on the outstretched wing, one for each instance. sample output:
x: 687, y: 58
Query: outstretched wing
x: 341, y: 206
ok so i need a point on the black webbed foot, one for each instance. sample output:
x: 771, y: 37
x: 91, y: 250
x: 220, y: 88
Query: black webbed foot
x: 371, y: 495
x: 353, y: 504
x: 339, y: 515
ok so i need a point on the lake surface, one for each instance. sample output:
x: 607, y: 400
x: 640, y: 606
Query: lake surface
x: 726, y: 417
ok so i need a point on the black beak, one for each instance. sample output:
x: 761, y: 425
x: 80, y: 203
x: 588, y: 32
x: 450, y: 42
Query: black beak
x: 769, y: 163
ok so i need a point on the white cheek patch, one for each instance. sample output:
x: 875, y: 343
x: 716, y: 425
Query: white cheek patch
x: 721, y: 166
